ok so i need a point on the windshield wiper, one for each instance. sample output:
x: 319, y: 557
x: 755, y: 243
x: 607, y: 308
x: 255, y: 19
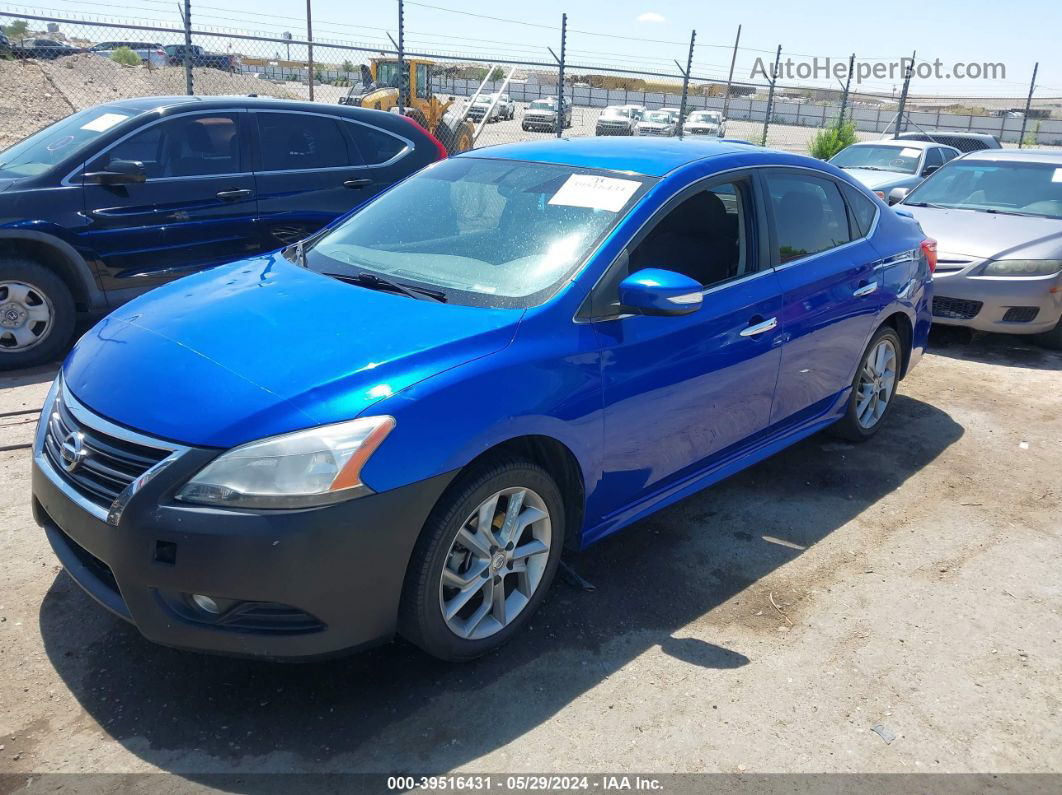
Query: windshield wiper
x: 994, y: 211
x: 928, y: 204
x: 374, y: 282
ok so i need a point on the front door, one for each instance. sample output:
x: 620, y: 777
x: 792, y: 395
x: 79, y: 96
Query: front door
x: 196, y: 207
x: 682, y: 390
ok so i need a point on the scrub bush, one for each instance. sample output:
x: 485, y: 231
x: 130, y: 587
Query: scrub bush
x: 832, y: 140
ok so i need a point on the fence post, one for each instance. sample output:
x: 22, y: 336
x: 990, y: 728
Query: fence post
x: 903, y: 98
x: 730, y: 77
x: 560, y: 76
x: 770, y: 95
x: 309, y: 45
x: 1028, y: 105
x: 847, y: 86
x: 686, y: 83
x: 188, y: 88
x: 403, y: 83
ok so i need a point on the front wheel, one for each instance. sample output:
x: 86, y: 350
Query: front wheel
x: 1052, y: 339
x: 36, y: 314
x: 873, y: 388
x: 484, y: 561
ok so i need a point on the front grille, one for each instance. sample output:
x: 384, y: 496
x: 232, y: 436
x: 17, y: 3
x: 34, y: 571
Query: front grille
x: 1021, y: 314
x: 105, y: 465
x: 955, y: 308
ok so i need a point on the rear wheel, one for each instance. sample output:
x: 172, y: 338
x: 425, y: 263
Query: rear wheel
x: 484, y: 561
x: 455, y: 134
x: 36, y: 314
x: 873, y: 388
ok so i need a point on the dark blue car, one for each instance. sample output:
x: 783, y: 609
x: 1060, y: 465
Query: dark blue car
x: 119, y: 198
x: 519, y: 350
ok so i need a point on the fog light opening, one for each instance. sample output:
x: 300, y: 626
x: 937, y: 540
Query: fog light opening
x: 206, y: 604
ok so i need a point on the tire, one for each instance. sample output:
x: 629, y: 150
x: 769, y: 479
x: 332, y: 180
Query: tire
x: 873, y: 414
x: 28, y: 289
x: 455, y: 133
x: 1051, y: 339
x: 474, y: 628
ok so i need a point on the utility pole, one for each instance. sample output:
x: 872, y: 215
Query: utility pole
x: 770, y: 95
x: 730, y: 77
x: 686, y: 82
x: 1028, y: 105
x: 903, y: 97
x: 309, y: 44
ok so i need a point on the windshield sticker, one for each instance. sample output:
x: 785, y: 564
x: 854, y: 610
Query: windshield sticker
x: 597, y: 193
x: 1057, y: 176
x: 910, y: 153
x: 104, y: 122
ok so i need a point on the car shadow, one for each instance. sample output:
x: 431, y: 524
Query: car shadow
x: 395, y: 709
x: 1009, y: 350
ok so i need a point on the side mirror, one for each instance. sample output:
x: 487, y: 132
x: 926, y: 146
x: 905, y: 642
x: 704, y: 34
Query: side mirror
x: 897, y: 195
x: 929, y: 170
x: 118, y: 172
x: 654, y: 291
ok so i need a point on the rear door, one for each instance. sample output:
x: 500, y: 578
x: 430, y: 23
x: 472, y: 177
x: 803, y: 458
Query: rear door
x: 832, y: 289
x: 195, y: 209
x: 307, y: 173
x: 388, y: 155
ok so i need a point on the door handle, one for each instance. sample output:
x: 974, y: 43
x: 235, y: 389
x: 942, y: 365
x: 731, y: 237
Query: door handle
x: 357, y: 183
x: 866, y: 289
x: 759, y: 328
x: 232, y: 195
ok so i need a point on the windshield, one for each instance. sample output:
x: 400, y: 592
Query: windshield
x: 484, y: 232
x: 657, y: 116
x: 994, y: 186
x: 542, y: 104
x: 610, y: 111
x: 483, y: 100
x: 387, y: 74
x: 43, y: 149
x: 705, y: 117
x: 882, y: 157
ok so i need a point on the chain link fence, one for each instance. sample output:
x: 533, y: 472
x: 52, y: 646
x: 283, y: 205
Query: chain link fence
x: 53, y: 66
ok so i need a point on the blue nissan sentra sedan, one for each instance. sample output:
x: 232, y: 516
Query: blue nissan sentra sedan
x: 399, y: 425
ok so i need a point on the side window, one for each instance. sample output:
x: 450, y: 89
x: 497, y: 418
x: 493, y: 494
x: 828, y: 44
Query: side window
x: 705, y: 237
x: 809, y: 215
x: 863, y: 210
x: 375, y: 145
x: 933, y: 157
x: 949, y: 154
x: 423, y: 81
x: 184, y: 146
x: 293, y: 141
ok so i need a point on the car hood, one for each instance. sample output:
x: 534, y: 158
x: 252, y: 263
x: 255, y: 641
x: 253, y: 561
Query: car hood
x: 262, y: 347
x: 540, y: 112
x: 653, y: 125
x: 990, y: 235
x: 878, y: 179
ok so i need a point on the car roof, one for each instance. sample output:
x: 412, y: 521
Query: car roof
x: 1020, y: 155
x: 650, y: 158
x: 146, y: 104
x: 901, y: 142
x: 954, y: 134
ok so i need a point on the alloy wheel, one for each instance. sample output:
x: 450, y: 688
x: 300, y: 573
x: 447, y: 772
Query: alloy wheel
x: 25, y: 316
x: 877, y: 383
x: 495, y: 563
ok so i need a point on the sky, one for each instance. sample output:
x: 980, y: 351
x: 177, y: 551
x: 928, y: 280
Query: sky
x: 652, y: 34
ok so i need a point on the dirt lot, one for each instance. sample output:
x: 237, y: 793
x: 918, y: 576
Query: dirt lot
x: 768, y: 624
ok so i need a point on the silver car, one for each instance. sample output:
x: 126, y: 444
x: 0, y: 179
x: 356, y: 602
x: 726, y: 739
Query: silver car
x: 887, y: 164
x: 705, y: 122
x: 997, y: 218
x: 616, y: 120
x: 656, y: 122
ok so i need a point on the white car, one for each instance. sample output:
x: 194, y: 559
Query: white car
x: 656, y: 122
x: 705, y: 122
x: 150, y: 54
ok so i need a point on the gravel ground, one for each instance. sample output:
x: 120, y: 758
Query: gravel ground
x: 767, y: 624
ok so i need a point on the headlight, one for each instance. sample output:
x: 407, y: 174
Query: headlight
x: 317, y: 466
x: 1022, y: 267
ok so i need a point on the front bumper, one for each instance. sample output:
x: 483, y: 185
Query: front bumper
x: 1006, y: 306
x: 301, y: 583
x: 539, y: 123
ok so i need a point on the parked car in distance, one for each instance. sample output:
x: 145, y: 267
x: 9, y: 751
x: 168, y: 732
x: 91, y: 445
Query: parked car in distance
x: 200, y: 57
x: 44, y: 49
x: 541, y: 114
x: 116, y: 199
x: 963, y: 141
x: 886, y: 164
x: 616, y: 120
x: 508, y: 107
x: 675, y: 113
x: 312, y: 452
x: 150, y: 54
x: 5, y: 44
x: 486, y: 104
x: 705, y: 122
x: 997, y: 217
x: 656, y: 122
